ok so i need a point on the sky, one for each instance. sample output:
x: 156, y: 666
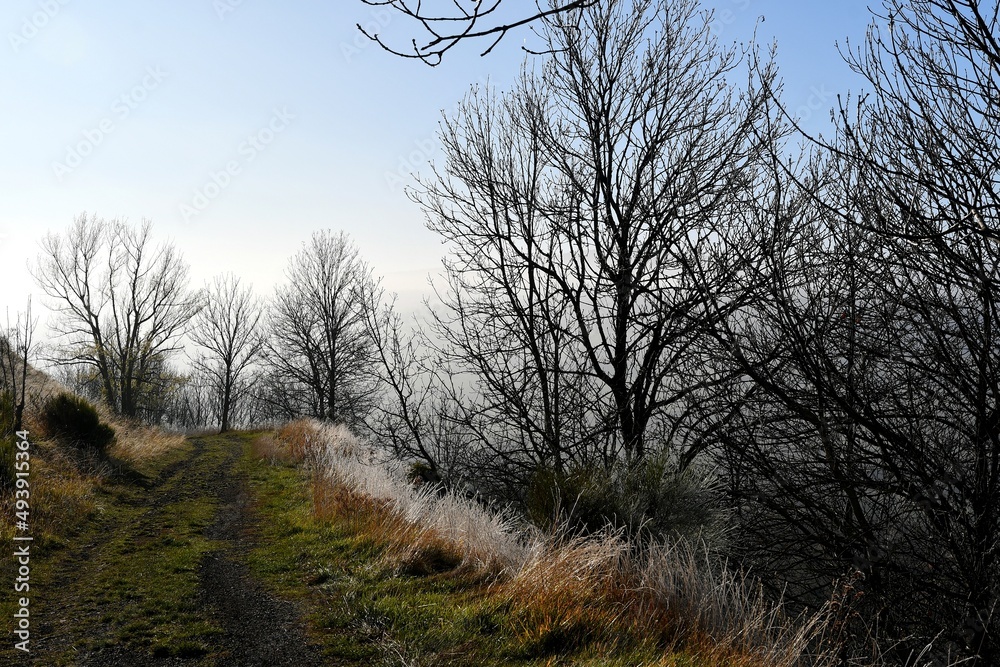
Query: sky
x: 240, y: 127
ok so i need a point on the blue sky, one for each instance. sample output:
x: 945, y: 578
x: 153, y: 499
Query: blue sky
x: 240, y: 126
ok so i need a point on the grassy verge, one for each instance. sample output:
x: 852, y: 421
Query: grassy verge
x: 369, y: 605
x: 122, y: 572
x: 142, y: 586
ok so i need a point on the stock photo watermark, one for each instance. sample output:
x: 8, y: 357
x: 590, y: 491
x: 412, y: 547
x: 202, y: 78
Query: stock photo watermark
x: 423, y: 150
x: 421, y: 153
x: 22, y: 541
x: 248, y: 150
x: 225, y: 7
x: 34, y: 24
x: 818, y: 100
x: 92, y: 137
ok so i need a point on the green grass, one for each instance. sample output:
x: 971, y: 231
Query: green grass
x: 149, y: 570
x: 126, y: 574
x: 129, y: 574
x: 359, y: 609
x: 362, y: 609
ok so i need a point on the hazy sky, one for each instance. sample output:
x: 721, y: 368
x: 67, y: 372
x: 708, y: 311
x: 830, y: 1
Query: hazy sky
x: 240, y: 126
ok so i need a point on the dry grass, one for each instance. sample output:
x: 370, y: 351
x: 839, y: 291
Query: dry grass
x: 302, y: 439
x: 39, y: 388
x: 62, y: 491
x: 133, y: 442
x: 136, y: 443
x: 427, y: 529
x: 564, y: 592
x: 575, y: 591
x: 271, y: 449
x: 64, y: 481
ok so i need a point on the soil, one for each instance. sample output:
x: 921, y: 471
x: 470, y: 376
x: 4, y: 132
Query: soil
x: 260, y: 628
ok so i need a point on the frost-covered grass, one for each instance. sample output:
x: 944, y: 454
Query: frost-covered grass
x: 596, y: 594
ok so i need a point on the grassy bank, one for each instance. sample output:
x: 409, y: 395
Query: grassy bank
x: 442, y: 581
x: 383, y: 572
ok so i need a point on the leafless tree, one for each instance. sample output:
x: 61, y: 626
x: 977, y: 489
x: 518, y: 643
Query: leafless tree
x: 193, y: 403
x: 121, y: 302
x: 16, y: 351
x: 318, y: 342
x: 578, y: 210
x: 868, y: 436
x: 274, y: 397
x: 927, y: 146
x: 227, y: 329
x: 446, y: 24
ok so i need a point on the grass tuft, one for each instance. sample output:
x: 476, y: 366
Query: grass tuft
x: 302, y: 440
x: 62, y: 491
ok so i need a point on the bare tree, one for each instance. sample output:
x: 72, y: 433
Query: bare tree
x: 122, y: 304
x: 274, y: 397
x: 193, y: 404
x: 16, y: 350
x: 579, y: 208
x: 227, y: 329
x: 868, y: 437
x: 926, y: 147
x: 446, y: 26
x: 401, y: 417
x: 318, y: 343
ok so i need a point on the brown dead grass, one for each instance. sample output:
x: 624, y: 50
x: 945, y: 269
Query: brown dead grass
x: 409, y: 547
x: 136, y: 443
x: 581, y: 591
x: 598, y: 595
x: 266, y: 446
x: 302, y: 439
x: 64, y: 481
x: 62, y: 492
x: 577, y: 593
x: 568, y: 593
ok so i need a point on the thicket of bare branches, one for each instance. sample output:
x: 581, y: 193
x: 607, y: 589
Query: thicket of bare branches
x: 867, y: 437
x: 643, y: 283
x: 635, y: 262
x: 584, y: 213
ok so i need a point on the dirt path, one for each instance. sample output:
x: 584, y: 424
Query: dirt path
x: 160, y: 578
x: 260, y: 629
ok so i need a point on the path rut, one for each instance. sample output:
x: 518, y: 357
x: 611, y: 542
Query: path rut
x: 261, y: 629
x: 258, y: 628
